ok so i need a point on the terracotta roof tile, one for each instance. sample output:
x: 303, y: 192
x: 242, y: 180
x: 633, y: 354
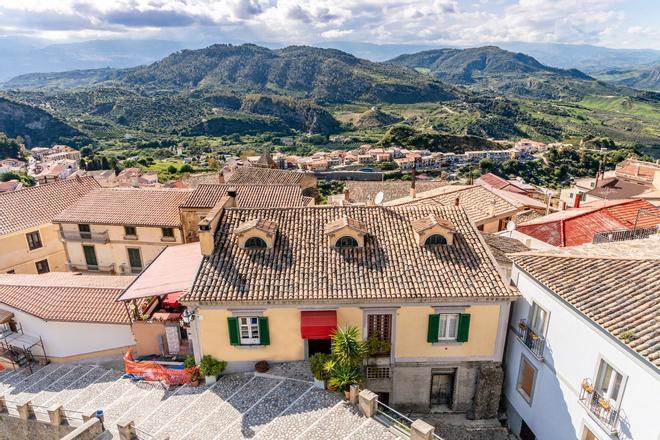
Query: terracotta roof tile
x: 267, y: 226
x: 265, y: 176
x: 429, y: 221
x: 66, y: 296
x: 30, y: 207
x: 344, y: 222
x: 127, y: 206
x: 301, y: 267
x: 621, y: 295
x: 365, y: 192
x: 248, y: 196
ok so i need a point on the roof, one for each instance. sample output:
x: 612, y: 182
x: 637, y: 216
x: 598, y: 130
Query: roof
x: 267, y: 226
x: 66, y: 296
x: 266, y: 161
x: 195, y: 180
x: 247, y: 196
x: 127, y: 206
x: 266, y: 176
x: 577, y: 226
x: 519, y: 200
x: 637, y: 169
x: 345, y: 222
x: 391, y: 266
x: 493, y: 181
x: 501, y: 245
x: 620, y: 293
x: 30, y: 207
x: 365, y: 192
x: 173, y: 270
x: 429, y: 221
x: 619, y: 188
x: 475, y: 199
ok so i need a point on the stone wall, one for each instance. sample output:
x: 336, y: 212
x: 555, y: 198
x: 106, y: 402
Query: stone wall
x: 13, y: 428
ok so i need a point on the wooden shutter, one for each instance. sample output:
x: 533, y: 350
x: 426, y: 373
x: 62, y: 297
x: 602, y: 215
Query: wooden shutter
x: 434, y: 322
x: 463, y: 327
x: 264, y: 336
x: 234, y: 335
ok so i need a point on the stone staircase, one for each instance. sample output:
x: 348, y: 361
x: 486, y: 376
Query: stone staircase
x: 238, y: 406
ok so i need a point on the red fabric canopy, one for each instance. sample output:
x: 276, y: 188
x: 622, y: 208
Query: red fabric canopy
x: 172, y: 299
x: 317, y: 324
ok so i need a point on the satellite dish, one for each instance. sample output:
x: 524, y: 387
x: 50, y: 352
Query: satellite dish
x: 510, y: 226
x: 379, y: 198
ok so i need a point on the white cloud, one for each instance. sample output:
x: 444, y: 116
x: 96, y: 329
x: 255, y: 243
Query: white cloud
x: 468, y: 22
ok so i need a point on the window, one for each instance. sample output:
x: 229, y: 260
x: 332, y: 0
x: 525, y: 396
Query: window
x: 85, y: 231
x: 255, y: 243
x: 90, y: 257
x: 448, y: 326
x: 42, y: 266
x: 168, y: 233
x: 526, y: 379
x: 608, y: 381
x: 537, y: 320
x: 587, y: 434
x: 134, y: 259
x: 249, y: 330
x: 130, y: 231
x: 11, y: 271
x: 346, y: 242
x: 435, y: 240
x: 34, y: 240
x: 380, y: 327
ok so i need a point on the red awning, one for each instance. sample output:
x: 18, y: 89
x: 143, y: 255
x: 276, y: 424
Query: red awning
x: 172, y: 299
x: 317, y: 324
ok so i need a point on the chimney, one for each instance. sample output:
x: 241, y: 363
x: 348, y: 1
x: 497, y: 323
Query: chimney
x: 491, y: 210
x: 457, y: 202
x: 413, y: 189
x: 346, y: 194
x: 576, y: 203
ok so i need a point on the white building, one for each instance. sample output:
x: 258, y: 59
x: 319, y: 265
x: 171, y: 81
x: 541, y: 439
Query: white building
x: 582, y: 358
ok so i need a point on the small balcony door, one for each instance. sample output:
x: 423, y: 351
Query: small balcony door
x: 135, y: 259
x: 90, y: 258
x: 379, y: 326
x: 85, y: 231
x: 608, y: 381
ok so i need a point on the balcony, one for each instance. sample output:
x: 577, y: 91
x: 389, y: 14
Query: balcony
x: 599, y: 407
x: 128, y: 270
x: 90, y: 268
x: 534, y: 342
x: 85, y: 237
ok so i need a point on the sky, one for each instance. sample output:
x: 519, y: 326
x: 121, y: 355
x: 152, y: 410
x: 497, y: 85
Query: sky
x: 610, y: 23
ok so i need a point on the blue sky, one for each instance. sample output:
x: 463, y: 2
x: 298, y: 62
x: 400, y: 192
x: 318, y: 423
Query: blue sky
x: 611, y: 23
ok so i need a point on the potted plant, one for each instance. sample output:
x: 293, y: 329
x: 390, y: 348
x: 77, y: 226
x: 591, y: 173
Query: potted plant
x: 210, y: 368
x: 377, y: 346
x: 342, y: 376
x: 317, y: 363
x: 189, y: 361
x: 261, y: 366
x: 348, y: 353
x: 194, y: 376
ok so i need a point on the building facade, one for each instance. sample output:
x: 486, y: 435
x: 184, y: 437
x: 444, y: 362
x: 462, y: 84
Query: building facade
x: 582, y: 360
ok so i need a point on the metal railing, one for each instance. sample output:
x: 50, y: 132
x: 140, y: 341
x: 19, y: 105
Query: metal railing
x: 600, y: 407
x: 527, y: 336
x: 93, y: 237
x: 394, y: 417
x: 128, y: 270
x: 90, y: 267
x: 624, y: 235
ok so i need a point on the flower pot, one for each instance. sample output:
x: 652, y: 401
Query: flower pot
x: 347, y: 394
x: 331, y: 388
x: 210, y: 380
x: 194, y: 383
x: 319, y: 383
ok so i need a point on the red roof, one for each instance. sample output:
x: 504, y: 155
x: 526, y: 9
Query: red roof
x: 577, y: 226
x: 497, y: 182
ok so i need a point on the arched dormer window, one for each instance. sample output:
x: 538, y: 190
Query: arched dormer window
x: 435, y: 240
x: 346, y: 242
x: 255, y: 243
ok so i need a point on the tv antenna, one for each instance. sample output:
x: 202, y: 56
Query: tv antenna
x: 378, y: 200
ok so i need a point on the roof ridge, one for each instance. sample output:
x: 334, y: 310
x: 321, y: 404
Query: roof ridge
x: 581, y: 256
x: 50, y: 185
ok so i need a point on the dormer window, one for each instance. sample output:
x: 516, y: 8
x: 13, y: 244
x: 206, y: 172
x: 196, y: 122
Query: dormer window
x: 345, y: 232
x: 255, y: 243
x: 435, y: 240
x: 256, y: 234
x: 433, y: 230
x: 346, y: 242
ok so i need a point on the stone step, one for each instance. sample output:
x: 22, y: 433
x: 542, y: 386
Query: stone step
x: 312, y: 406
x: 12, y: 393
x: 266, y: 410
x: 342, y: 420
x: 222, y: 418
x: 14, y: 380
x: 53, y: 388
x: 28, y: 394
x: 76, y: 388
x: 81, y: 400
x: 371, y: 429
x: 111, y: 394
x: 123, y: 404
x: 149, y: 404
x: 215, y: 396
x: 183, y: 397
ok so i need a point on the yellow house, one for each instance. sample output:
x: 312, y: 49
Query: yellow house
x: 275, y: 282
x: 29, y: 241
x: 120, y: 230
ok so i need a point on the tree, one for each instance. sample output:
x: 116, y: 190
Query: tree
x: 186, y: 168
x: 9, y: 148
x: 171, y: 169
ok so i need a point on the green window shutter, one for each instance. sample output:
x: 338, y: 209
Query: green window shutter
x: 463, y: 327
x: 234, y: 338
x: 264, y: 336
x: 434, y: 323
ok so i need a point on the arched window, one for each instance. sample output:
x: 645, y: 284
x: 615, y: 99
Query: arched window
x: 434, y: 240
x: 346, y: 242
x: 255, y: 243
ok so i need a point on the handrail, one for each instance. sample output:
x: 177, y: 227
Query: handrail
x: 85, y: 236
x: 601, y: 407
x: 536, y: 343
x: 399, y: 420
x: 142, y: 434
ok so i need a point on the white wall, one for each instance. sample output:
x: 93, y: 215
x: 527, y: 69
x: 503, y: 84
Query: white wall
x: 573, y: 349
x: 62, y: 339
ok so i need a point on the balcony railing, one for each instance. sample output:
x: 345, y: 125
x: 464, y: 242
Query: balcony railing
x: 128, y: 270
x: 527, y: 336
x: 599, y: 406
x: 93, y: 237
x: 90, y: 267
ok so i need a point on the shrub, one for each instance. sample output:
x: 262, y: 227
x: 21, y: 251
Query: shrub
x: 186, y: 168
x: 189, y: 361
x: 317, y: 363
x: 210, y: 366
x: 376, y: 345
x: 171, y: 169
x: 347, y: 347
x: 342, y: 376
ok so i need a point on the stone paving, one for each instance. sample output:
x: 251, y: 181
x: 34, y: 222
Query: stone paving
x: 238, y: 406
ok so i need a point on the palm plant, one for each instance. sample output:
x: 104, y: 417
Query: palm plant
x: 347, y: 347
x: 342, y: 376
